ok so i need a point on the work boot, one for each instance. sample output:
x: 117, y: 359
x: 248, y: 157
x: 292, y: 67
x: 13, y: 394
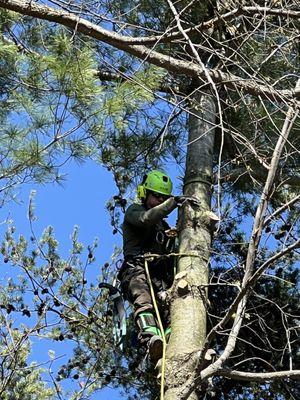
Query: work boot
x: 155, y: 346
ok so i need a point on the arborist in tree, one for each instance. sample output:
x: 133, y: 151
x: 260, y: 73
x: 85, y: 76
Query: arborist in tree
x: 145, y: 231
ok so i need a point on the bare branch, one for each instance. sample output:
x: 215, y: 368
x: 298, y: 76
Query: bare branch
x: 266, y: 194
x: 121, y: 77
x: 214, y: 22
x: 260, y: 376
x: 281, y: 209
x: 177, y: 66
x: 271, y: 261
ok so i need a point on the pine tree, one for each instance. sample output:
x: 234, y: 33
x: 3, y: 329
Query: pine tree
x: 228, y: 73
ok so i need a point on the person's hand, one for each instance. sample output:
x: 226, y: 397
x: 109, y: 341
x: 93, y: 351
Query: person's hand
x: 180, y: 200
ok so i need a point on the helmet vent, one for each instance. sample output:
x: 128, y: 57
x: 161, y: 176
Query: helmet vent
x: 165, y: 178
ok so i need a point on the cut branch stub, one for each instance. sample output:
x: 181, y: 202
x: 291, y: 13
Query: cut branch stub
x: 183, y: 287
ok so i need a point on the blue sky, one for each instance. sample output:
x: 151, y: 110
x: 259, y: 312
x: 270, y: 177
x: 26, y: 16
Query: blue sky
x: 80, y: 201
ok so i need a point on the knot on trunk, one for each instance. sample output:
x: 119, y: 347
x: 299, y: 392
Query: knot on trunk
x: 209, y: 219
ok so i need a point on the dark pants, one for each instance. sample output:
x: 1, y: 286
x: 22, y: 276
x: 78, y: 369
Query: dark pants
x: 136, y: 289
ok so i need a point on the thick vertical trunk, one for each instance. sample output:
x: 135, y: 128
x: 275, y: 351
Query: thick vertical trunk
x: 188, y: 303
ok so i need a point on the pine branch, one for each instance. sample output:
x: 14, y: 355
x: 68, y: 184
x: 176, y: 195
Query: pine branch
x: 177, y: 66
x: 266, y: 194
x: 215, y: 22
x: 121, y: 77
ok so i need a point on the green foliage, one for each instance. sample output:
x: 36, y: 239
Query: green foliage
x: 20, y: 380
x: 127, y: 98
x: 57, y: 300
x: 54, y: 107
x: 74, y: 70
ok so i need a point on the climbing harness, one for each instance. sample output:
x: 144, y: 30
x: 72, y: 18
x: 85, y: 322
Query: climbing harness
x: 119, y: 314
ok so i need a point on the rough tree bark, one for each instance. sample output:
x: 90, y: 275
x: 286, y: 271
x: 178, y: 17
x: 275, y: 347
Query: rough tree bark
x: 188, y: 303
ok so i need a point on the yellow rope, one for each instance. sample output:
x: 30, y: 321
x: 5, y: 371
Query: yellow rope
x: 162, y: 379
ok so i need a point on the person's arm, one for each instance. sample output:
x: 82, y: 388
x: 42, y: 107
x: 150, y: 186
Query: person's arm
x: 138, y: 216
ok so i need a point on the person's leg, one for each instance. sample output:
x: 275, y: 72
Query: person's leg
x: 136, y: 290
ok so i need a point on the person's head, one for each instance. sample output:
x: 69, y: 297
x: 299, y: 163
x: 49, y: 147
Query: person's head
x: 156, y: 187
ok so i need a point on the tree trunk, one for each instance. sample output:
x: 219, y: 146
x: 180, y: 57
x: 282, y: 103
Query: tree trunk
x: 188, y: 299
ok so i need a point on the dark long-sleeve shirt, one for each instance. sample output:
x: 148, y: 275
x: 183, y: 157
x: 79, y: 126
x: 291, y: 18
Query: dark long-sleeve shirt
x: 143, y: 230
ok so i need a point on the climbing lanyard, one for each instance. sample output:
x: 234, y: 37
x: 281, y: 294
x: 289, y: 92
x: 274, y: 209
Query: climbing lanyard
x: 119, y: 314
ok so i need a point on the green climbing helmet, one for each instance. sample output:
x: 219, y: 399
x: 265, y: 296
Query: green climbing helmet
x: 155, y: 181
